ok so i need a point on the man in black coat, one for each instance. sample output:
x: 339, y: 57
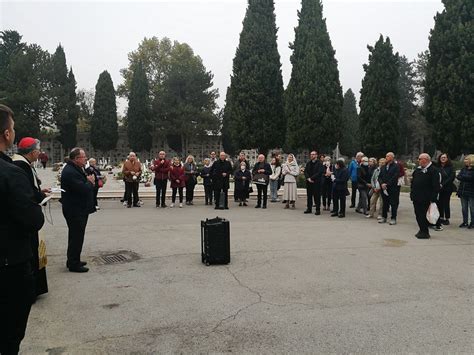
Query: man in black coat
x: 313, y: 172
x: 220, y: 173
x: 20, y: 216
x: 388, y: 179
x: 78, y: 202
x: 425, y: 185
x: 261, y: 172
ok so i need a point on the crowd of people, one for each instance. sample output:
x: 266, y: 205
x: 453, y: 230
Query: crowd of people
x: 376, y: 182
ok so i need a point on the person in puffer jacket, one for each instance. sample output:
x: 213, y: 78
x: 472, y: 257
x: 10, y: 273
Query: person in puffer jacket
x: 466, y: 191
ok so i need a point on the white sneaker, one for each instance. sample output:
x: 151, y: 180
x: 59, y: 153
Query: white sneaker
x: 393, y: 222
x: 97, y: 208
x: 125, y: 203
x: 369, y: 216
x: 180, y: 205
x: 172, y: 205
x: 379, y: 218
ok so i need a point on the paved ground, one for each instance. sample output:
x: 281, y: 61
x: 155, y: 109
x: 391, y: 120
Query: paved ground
x: 296, y: 284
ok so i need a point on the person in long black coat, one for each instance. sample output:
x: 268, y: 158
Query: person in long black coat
x: 313, y: 173
x: 340, y: 178
x: 425, y: 185
x: 242, y: 179
x: 264, y: 170
x: 28, y: 152
x: 20, y: 216
x: 220, y: 173
x: 77, y: 203
x: 448, y: 175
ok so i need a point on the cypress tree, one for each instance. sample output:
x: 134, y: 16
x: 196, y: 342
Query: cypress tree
x: 138, y: 115
x: 313, y: 98
x: 380, y: 100
x: 406, y: 87
x: 449, y: 78
x: 350, y: 140
x: 104, y: 126
x: 68, y: 125
x: 254, y: 113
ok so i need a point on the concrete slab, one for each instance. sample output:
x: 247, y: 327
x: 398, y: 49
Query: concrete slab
x: 296, y: 284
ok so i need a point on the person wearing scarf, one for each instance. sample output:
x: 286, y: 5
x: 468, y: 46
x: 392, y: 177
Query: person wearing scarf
x: 290, y: 170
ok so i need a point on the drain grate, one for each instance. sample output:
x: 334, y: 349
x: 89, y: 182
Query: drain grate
x: 119, y: 257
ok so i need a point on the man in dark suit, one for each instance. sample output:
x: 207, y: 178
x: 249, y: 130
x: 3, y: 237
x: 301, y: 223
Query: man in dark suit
x: 313, y: 172
x: 20, y: 216
x: 425, y: 185
x: 220, y: 173
x: 388, y: 179
x: 78, y: 202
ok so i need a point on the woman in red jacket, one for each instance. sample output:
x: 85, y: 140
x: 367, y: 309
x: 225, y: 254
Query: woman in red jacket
x: 177, y: 180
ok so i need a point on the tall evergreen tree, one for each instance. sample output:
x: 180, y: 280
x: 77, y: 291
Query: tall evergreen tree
x: 380, y: 100
x: 64, y: 100
x: 350, y: 140
x: 138, y: 115
x: 104, y: 126
x: 449, y: 78
x: 254, y: 112
x: 313, y: 98
x: 406, y: 88
x: 24, y: 83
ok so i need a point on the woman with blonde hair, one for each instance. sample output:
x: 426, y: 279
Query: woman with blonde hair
x: 466, y: 191
x: 290, y: 170
x: 190, y: 174
x: 375, y: 192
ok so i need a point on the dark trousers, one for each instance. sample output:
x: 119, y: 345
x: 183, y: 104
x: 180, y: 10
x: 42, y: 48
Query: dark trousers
x: 131, y: 188
x: 327, y: 193
x: 262, y: 190
x: 391, y: 201
x: 443, y: 204
x: 313, y: 193
x: 339, y: 200
x: 44, y: 164
x: 420, y: 212
x: 354, y: 192
x: 190, y: 184
x: 217, y: 195
x: 208, y: 194
x: 160, y: 186
x: 173, y: 195
x: 16, y: 297
x: 77, y: 229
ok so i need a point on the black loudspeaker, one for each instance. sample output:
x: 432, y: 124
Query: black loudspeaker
x: 215, y: 241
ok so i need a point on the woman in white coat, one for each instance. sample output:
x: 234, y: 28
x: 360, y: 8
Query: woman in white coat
x: 290, y: 170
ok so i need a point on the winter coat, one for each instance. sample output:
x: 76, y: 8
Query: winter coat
x: 341, y: 178
x: 129, y: 167
x: 177, y: 173
x: 206, y: 175
x: 190, y: 172
x: 389, y: 175
x: 447, y: 178
x: 161, y: 169
x: 276, y: 171
x: 466, y: 179
x: 264, y: 166
x: 290, y: 171
x: 20, y: 214
x: 218, y: 168
x: 363, y: 177
x: 77, y: 198
x: 353, y: 170
x: 241, y: 184
x: 314, y: 171
x: 425, y: 184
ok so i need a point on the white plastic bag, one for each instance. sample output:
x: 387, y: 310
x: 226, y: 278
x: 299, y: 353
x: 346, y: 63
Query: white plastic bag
x: 432, y: 215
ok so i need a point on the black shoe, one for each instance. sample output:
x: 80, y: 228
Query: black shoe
x: 335, y: 214
x: 463, y: 225
x: 225, y: 208
x: 307, y: 212
x: 137, y: 206
x: 351, y: 206
x: 317, y: 213
x: 245, y: 204
x: 216, y: 208
x: 81, y: 263
x: 157, y: 206
x: 471, y: 226
x: 445, y: 222
x: 164, y: 205
x: 418, y: 234
x: 79, y: 269
x: 423, y: 236
x: 358, y: 211
x: 264, y: 206
x: 129, y: 206
x: 258, y: 206
x: 341, y: 215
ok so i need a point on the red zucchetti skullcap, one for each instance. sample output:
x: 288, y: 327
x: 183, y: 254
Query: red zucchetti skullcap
x: 27, y: 142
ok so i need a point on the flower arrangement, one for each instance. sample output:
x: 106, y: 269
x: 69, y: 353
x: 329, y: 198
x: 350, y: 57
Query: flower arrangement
x: 146, y: 174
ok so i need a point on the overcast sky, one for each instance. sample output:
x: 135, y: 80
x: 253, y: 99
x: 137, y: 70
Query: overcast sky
x: 97, y: 35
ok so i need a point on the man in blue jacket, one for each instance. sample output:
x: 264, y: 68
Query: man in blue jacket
x: 78, y: 202
x: 21, y: 217
x: 353, y: 174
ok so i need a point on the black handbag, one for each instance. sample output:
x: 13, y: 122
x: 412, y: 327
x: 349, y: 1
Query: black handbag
x: 260, y: 179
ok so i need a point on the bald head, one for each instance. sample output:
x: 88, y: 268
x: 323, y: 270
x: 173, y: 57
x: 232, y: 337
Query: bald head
x: 261, y: 158
x: 389, y: 157
x: 222, y: 156
x: 424, y: 159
